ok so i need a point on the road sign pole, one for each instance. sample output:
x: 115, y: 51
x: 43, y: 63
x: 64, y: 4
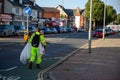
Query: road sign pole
x: 27, y: 22
x: 26, y: 34
x: 27, y: 11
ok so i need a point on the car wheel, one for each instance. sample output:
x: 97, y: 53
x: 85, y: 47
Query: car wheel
x: 13, y: 34
x: 5, y: 34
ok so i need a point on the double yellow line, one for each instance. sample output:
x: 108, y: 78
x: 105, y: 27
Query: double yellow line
x: 41, y: 73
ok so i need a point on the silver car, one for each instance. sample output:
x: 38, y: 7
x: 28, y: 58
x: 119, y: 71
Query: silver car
x: 6, y: 30
x: 19, y: 30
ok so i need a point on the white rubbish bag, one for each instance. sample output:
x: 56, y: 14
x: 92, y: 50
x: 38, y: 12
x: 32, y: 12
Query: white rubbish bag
x: 41, y: 49
x: 25, y: 54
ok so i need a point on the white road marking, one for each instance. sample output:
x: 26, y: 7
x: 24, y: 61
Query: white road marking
x: 55, y: 40
x: 5, y: 44
x: 9, y: 77
x: 52, y: 58
x: 9, y: 69
x: 13, y: 78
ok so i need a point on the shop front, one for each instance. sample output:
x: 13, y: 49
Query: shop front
x: 17, y: 20
x: 34, y: 22
x: 6, y: 19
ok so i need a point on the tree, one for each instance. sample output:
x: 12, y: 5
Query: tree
x: 117, y: 21
x: 110, y: 14
x: 97, y: 11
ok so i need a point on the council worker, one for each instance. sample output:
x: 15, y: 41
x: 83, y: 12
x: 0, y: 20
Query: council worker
x: 36, y: 39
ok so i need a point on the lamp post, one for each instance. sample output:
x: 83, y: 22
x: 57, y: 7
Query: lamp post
x: 104, y: 21
x: 90, y: 24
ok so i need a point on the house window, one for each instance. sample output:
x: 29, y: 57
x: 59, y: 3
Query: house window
x: 40, y: 14
x: 16, y: 1
x: 17, y: 10
x: 33, y: 13
x: 0, y: 7
x: 20, y: 1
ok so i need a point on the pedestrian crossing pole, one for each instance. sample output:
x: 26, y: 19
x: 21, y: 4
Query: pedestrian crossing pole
x: 90, y: 24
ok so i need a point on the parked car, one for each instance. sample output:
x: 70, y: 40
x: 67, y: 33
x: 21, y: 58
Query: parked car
x: 58, y: 29
x: 69, y: 29
x: 109, y: 31
x: 19, y: 30
x: 31, y: 29
x: 64, y: 29
x: 6, y: 30
x: 53, y: 30
x: 98, y: 33
x: 46, y: 31
x: 80, y: 30
x: 112, y: 32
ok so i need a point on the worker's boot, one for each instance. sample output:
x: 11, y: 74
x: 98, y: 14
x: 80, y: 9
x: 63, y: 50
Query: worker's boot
x: 30, y: 65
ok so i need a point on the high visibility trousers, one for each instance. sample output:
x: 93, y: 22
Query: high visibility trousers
x: 35, y: 56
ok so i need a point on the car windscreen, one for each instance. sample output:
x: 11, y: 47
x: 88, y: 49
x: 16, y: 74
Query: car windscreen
x: 22, y: 28
x: 30, y: 28
x: 99, y: 31
x: 17, y: 27
x: 2, y: 26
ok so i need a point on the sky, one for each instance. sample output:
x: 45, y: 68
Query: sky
x: 73, y: 4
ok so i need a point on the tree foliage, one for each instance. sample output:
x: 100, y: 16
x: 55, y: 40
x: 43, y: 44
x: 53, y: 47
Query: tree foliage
x: 110, y: 14
x: 98, y: 12
x: 117, y: 21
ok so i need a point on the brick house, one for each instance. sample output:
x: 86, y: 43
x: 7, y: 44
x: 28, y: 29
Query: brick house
x: 1, y: 6
x: 16, y: 9
x: 50, y: 16
x: 74, y: 16
x: 5, y: 18
x: 79, y: 18
x: 51, y: 12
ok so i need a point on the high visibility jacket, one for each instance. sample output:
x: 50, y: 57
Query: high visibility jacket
x: 42, y: 39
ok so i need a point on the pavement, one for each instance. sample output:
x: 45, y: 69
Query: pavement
x: 103, y: 63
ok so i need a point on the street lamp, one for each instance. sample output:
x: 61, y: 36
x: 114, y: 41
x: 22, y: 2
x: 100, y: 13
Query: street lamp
x: 90, y: 24
x: 104, y: 21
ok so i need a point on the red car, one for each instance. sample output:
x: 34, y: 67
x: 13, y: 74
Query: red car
x: 98, y: 33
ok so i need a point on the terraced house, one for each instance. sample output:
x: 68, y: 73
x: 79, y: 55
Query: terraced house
x: 12, y: 12
x: 5, y: 18
x: 74, y: 17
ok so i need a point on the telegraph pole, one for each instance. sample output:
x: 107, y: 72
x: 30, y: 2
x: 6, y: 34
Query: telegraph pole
x: 90, y: 25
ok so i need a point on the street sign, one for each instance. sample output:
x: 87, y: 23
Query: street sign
x: 27, y: 10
